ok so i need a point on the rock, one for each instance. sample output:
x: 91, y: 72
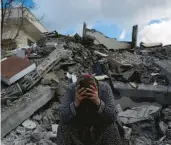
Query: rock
x: 60, y: 90
x: 36, y: 136
x: 118, y: 108
x: 50, y: 78
x: 29, y: 124
x: 167, y: 113
x: 54, y: 128
x: 50, y: 135
x: 37, y: 117
x: 128, y: 132
x: 145, y: 112
x: 21, y: 142
x: 163, y: 127
x: 168, y: 134
x: 142, y: 140
x: 169, y: 125
x: 31, y: 144
x: 145, y: 128
x: 46, y: 123
x: 21, y: 130
x: 46, y: 142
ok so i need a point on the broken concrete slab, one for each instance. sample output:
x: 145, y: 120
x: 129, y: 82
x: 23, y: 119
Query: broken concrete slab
x: 165, y: 66
x: 10, y: 91
x: 32, y: 78
x: 110, y: 43
x: 162, y: 94
x: 136, y: 114
x: 24, y: 108
x: 100, y: 54
x: 151, y: 45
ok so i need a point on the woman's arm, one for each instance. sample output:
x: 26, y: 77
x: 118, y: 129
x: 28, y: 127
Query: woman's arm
x: 107, y: 104
x: 67, y: 110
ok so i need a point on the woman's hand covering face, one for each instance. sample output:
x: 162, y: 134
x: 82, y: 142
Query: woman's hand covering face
x: 92, y: 94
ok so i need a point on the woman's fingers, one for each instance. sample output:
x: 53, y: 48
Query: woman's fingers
x: 80, y: 90
x: 90, y: 90
x: 83, y: 92
x: 92, y: 87
x: 89, y: 94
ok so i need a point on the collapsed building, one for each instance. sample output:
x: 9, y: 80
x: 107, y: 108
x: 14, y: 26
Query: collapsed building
x: 30, y: 98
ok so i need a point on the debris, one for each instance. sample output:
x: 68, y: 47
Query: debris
x: 100, y: 54
x: 37, y: 136
x: 37, y: 117
x: 24, y: 108
x: 110, y: 43
x: 150, y: 45
x: 128, y: 132
x: 160, y: 93
x: 14, y: 68
x: 68, y: 75
x: 21, y: 130
x: 100, y: 78
x: 29, y: 124
x: 10, y: 91
x: 54, y: 128
x: 50, y: 78
x: 145, y: 112
x: 142, y: 140
x: 118, y: 108
x: 32, y: 78
x: 61, y: 59
x: 74, y: 78
x: 165, y: 66
x: 163, y: 127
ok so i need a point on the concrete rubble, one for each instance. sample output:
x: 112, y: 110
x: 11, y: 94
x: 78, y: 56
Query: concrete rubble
x: 30, y: 106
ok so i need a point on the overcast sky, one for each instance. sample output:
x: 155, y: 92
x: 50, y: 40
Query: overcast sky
x: 114, y: 18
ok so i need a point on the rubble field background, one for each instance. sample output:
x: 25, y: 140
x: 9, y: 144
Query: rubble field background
x: 145, y: 124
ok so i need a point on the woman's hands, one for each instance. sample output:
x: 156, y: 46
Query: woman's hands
x: 93, y: 95
x: 88, y: 93
x: 80, y: 96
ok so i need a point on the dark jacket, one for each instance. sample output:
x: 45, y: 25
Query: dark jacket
x: 106, y: 110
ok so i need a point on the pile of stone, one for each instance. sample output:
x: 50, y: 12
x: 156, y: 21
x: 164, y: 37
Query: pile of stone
x: 146, y: 125
x: 30, y: 106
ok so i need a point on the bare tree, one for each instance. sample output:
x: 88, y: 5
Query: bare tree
x: 12, y: 14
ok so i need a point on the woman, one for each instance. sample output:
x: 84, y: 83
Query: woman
x: 88, y: 114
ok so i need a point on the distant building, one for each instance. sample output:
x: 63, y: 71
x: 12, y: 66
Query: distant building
x: 29, y: 27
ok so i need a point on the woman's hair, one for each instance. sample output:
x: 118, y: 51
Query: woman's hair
x: 86, y: 80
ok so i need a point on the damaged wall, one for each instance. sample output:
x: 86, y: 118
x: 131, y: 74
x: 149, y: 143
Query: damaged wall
x: 110, y: 43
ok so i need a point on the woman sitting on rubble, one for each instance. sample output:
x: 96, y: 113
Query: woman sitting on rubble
x: 88, y: 114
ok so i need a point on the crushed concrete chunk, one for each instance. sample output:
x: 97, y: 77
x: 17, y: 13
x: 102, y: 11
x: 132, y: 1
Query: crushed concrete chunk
x: 142, y: 140
x: 29, y: 124
x: 128, y: 132
x: 163, y: 127
x: 37, y: 117
x: 24, y: 108
x: 145, y: 112
x: 21, y: 130
x: 54, y: 128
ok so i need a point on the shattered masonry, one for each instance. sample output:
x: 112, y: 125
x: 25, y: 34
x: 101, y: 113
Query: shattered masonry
x: 30, y: 106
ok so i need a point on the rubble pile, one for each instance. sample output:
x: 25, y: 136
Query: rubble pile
x: 146, y: 125
x: 30, y: 106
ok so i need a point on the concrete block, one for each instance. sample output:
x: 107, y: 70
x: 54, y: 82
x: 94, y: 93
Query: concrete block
x: 10, y: 91
x: 32, y: 78
x: 162, y: 94
x: 165, y: 66
x: 24, y: 108
x: 134, y: 35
